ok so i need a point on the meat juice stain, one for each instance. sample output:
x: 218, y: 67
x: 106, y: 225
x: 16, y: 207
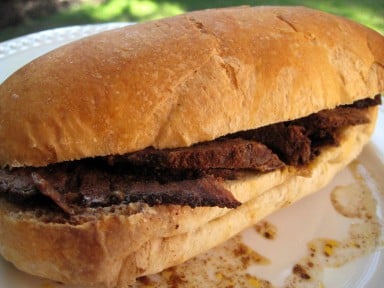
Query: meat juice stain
x: 354, y: 201
x: 223, y: 266
x: 266, y: 230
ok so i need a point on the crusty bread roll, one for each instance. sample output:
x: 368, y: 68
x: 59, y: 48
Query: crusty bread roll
x: 174, y: 83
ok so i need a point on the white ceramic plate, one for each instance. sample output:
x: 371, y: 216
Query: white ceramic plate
x: 314, y: 217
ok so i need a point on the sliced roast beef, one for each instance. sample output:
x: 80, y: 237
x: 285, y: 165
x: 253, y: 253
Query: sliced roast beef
x: 227, y: 154
x: 297, y: 142
x: 206, y: 191
x: 289, y: 142
x: 364, y: 103
x: 185, y: 176
x: 321, y: 127
x: 100, y: 188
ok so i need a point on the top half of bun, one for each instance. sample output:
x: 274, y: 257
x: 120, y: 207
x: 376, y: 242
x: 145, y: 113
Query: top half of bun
x: 184, y: 80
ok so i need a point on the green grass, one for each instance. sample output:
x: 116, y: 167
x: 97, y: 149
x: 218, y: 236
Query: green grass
x: 368, y: 12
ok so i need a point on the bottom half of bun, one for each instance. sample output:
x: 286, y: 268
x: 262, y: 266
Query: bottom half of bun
x: 118, y: 244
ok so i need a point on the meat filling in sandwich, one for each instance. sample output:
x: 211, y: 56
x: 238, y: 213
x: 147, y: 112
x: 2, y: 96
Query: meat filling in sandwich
x: 190, y: 176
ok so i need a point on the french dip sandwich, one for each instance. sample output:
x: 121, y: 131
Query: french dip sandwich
x: 133, y: 150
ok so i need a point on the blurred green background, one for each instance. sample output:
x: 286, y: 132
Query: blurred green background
x: 18, y: 17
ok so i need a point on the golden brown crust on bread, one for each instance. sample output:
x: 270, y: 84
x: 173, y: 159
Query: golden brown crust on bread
x: 115, y: 249
x: 184, y: 80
